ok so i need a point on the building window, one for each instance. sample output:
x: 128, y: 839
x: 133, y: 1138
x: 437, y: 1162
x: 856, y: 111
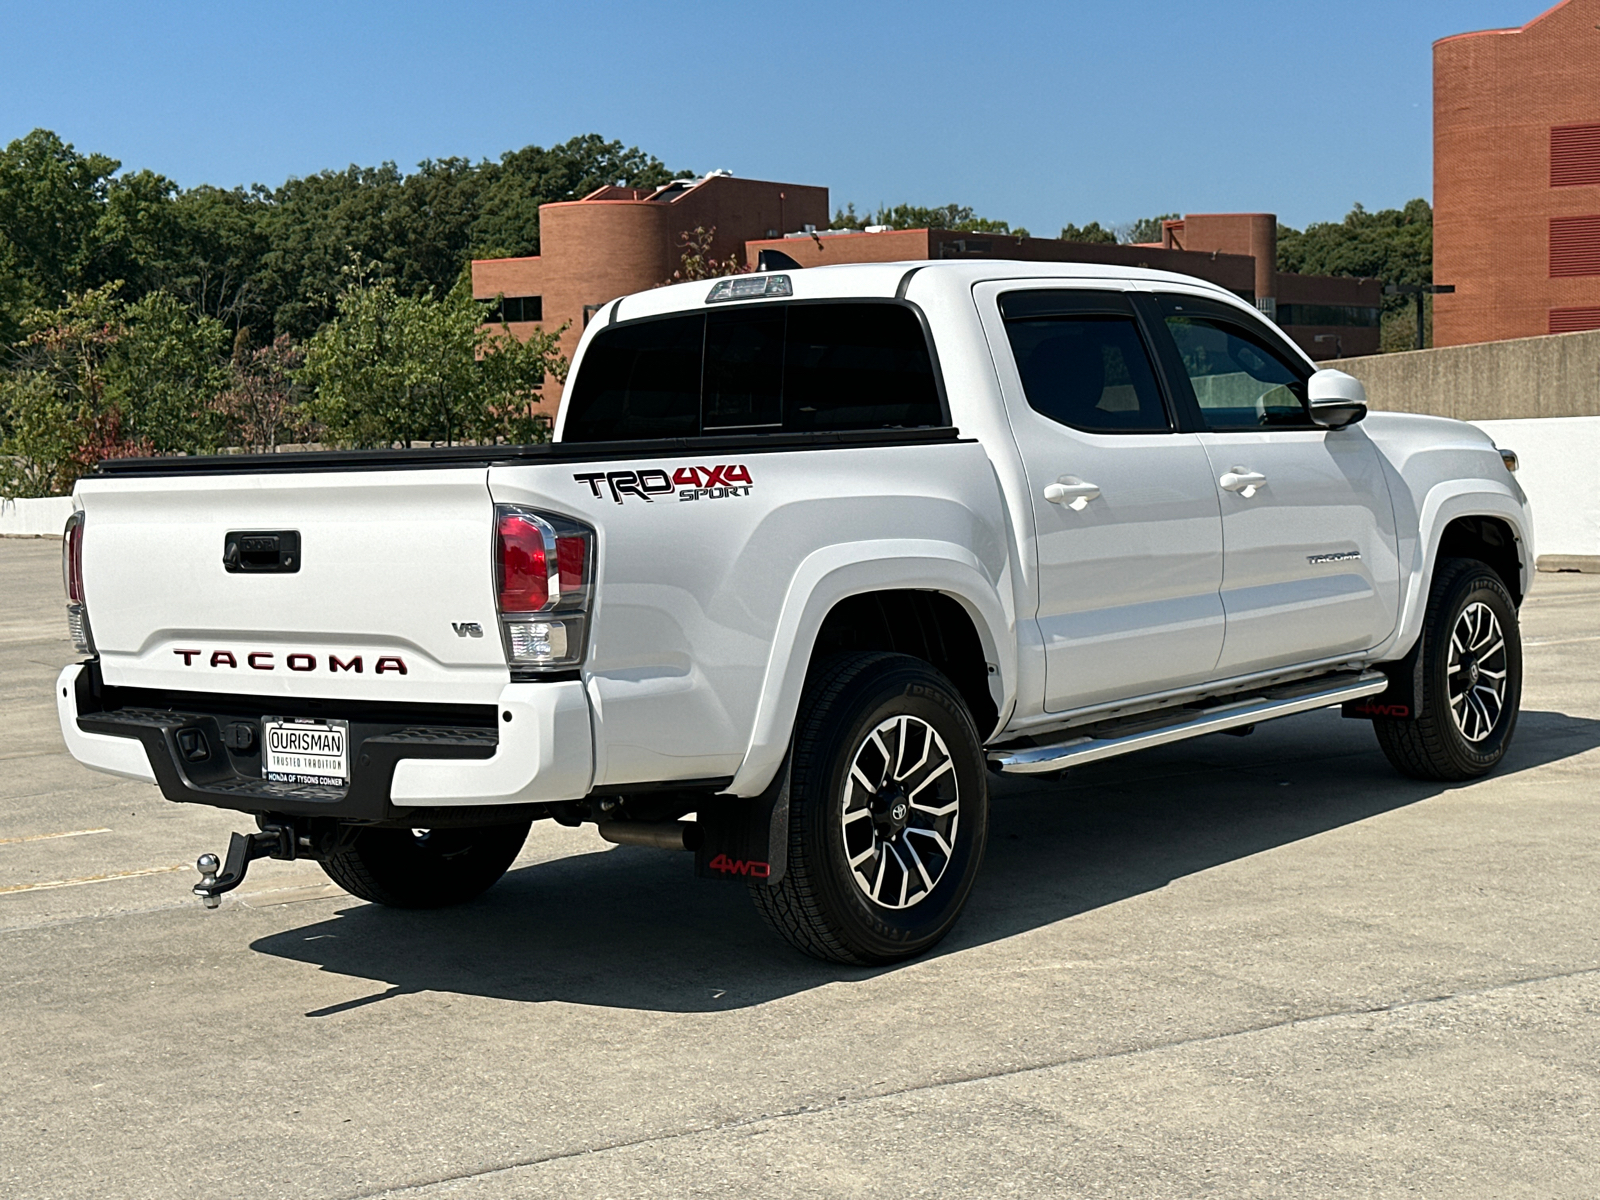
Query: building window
x: 512, y: 309
x: 1574, y: 246
x: 1574, y: 320
x: 1575, y: 156
x: 1345, y: 316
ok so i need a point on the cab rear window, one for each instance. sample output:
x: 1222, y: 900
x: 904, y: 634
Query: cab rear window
x: 834, y: 366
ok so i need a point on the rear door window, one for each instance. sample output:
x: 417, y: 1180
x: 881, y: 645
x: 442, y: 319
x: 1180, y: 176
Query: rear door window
x: 807, y: 367
x: 857, y: 366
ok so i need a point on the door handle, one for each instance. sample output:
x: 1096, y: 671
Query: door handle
x: 1246, y: 483
x: 1072, y: 492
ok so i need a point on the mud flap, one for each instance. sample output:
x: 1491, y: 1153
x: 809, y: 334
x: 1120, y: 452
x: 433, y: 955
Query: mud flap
x: 1402, y: 699
x: 746, y: 837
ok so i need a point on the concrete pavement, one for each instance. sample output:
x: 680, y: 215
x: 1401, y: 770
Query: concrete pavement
x: 1262, y: 966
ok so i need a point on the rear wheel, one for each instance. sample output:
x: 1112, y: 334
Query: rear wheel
x: 888, y: 812
x: 424, y: 868
x: 1471, y: 679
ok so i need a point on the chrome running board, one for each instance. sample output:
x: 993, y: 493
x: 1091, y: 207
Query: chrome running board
x: 1110, y: 739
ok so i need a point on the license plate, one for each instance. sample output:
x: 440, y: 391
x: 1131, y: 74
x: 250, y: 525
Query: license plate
x: 314, y: 752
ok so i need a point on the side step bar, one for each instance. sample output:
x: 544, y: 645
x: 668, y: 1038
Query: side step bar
x: 1157, y: 729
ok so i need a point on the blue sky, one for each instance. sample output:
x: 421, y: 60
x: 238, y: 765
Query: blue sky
x: 1034, y: 113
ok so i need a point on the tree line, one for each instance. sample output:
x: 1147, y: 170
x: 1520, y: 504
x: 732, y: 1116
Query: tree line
x: 139, y: 317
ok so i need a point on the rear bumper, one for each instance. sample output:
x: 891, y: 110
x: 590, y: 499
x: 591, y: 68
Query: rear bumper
x: 535, y: 746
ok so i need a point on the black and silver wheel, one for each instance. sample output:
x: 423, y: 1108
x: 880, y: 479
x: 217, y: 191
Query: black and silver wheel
x: 424, y: 868
x: 888, y: 812
x: 1471, y: 679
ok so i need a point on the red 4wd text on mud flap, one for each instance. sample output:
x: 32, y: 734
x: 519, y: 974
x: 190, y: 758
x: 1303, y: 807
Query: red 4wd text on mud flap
x: 739, y: 866
x: 688, y: 483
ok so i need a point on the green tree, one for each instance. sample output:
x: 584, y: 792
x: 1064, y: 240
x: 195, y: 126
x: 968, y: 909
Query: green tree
x: 163, y: 375
x: 695, y: 260
x: 264, y: 402
x: 1093, y: 232
x: 507, y: 222
x: 392, y: 369
x: 912, y: 216
x: 1145, y: 229
x: 1393, y: 244
x: 55, y: 419
x: 215, y: 264
x: 51, y: 198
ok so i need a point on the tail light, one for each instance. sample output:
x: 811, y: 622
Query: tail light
x: 544, y: 568
x: 72, y: 580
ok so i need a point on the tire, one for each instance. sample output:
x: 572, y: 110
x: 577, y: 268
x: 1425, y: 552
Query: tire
x: 406, y: 868
x: 872, y: 717
x: 1469, y: 636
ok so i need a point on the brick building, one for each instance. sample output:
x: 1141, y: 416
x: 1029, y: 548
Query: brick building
x: 1516, y: 178
x: 1327, y: 316
x: 618, y: 240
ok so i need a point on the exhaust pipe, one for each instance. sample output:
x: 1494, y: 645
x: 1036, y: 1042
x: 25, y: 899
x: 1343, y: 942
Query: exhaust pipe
x: 660, y: 835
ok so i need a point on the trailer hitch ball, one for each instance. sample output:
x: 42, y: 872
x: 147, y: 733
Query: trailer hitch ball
x: 208, y: 865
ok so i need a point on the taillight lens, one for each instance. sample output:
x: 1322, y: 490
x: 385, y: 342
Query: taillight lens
x: 524, y: 565
x: 72, y: 580
x: 542, y: 577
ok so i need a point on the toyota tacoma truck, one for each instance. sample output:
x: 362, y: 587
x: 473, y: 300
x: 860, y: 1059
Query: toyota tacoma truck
x: 811, y: 553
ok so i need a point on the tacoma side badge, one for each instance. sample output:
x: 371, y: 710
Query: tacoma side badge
x: 467, y: 628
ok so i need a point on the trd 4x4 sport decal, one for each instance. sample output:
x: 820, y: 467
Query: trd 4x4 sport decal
x: 687, y: 483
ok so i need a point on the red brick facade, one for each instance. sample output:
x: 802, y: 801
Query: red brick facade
x: 1516, y: 178
x: 620, y: 240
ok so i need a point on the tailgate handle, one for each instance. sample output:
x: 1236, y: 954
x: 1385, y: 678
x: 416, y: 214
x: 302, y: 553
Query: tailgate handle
x: 254, y: 550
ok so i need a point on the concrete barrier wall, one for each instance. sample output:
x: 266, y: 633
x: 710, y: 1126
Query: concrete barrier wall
x: 34, y: 518
x: 1554, y: 376
x: 1557, y: 457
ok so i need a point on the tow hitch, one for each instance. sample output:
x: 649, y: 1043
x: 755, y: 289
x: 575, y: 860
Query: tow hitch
x: 275, y: 841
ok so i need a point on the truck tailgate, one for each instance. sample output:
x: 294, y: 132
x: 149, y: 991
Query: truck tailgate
x: 394, y: 572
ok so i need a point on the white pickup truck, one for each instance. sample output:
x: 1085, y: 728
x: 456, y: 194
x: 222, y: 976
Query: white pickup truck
x: 811, y: 553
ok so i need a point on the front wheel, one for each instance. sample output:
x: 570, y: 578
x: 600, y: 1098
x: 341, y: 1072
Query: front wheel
x: 1471, y: 679
x: 888, y: 812
x: 424, y: 868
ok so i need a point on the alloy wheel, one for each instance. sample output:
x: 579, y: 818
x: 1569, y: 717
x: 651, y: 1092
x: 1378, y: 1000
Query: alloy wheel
x: 900, y: 812
x: 1476, y: 671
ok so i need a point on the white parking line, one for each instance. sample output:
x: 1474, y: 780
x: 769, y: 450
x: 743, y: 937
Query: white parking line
x: 1564, y: 641
x: 45, y: 837
x: 61, y: 883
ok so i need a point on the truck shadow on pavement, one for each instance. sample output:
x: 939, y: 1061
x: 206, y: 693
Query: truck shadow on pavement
x: 633, y: 928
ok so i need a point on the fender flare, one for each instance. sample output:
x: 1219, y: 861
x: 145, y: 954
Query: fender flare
x: 834, y: 573
x: 1444, y: 503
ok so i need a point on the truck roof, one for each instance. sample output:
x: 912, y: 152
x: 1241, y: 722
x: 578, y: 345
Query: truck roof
x: 888, y: 280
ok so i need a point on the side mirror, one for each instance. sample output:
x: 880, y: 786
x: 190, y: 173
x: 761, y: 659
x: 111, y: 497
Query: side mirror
x: 1336, y: 399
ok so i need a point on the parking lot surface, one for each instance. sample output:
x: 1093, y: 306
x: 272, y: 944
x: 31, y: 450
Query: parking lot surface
x: 1265, y: 966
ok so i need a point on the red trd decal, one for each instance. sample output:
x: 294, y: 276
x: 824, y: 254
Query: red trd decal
x: 685, y: 477
x: 740, y: 866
